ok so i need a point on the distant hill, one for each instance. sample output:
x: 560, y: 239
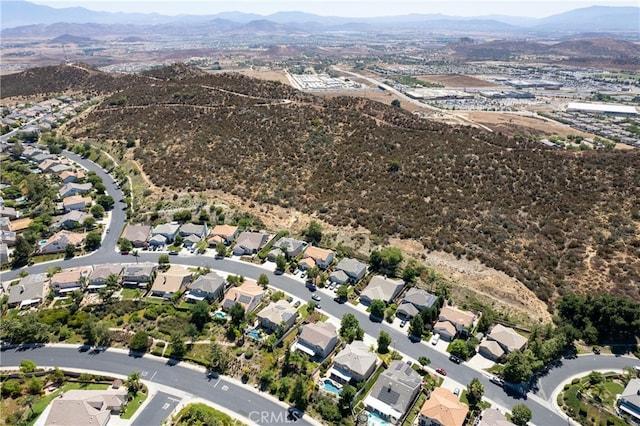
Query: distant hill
x: 17, y: 13
x: 557, y: 221
x: 71, y: 39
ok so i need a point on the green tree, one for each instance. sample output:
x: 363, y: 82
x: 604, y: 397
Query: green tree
x: 88, y: 331
x: 313, y: 273
x: 237, y: 314
x: 519, y: 366
x: 475, y: 391
x: 343, y: 292
x: 416, y: 327
x: 395, y: 103
x: 219, y: 358
x: 11, y: 387
x: 125, y: 245
x: 313, y: 233
x: 22, y: 252
x: 139, y: 342
x: 178, y: 240
x: 200, y: 314
x: 384, y: 340
x: 177, y: 345
x: 386, y: 261
x: 263, y: 280
x: 133, y: 382
x: 221, y: 249
x: 350, y: 329
x: 97, y: 211
x: 92, y: 241
x: 377, y: 308
x: 409, y: 275
x: 281, y: 263
x: 520, y: 415
x: 69, y: 251
x: 34, y: 386
x: 182, y: 216
x: 27, y: 366
x: 106, y: 201
x: 103, y: 337
x: 311, y: 307
x: 347, y: 395
x: 89, y: 223
x: 424, y: 361
x: 459, y: 348
x: 299, y: 393
x: 163, y: 259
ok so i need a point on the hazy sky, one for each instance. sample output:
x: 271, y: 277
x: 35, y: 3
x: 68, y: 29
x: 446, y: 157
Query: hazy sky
x: 348, y: 8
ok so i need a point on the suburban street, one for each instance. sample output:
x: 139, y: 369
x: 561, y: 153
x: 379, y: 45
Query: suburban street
x: 245, y: 401
x: 196, y: 383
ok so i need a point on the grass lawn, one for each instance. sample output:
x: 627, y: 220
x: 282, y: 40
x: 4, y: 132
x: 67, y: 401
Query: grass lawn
x: 192, y: 412
x: 47, y: 257
x: 42, y: 403
x: 367, y: 386
x: 585, y: 407
x: 134, y: 404
x: 130, y: 293
x: 422, y: 397
x: 156, y: 300
x: 62, y: 302
x: 199, y: 352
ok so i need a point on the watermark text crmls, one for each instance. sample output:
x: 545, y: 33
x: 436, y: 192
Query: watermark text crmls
x: 266, y: 417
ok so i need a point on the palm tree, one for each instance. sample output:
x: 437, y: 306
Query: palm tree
x: 133, y: 382
x: 135, y: 254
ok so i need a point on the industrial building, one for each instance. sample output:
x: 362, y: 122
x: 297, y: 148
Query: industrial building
x: 602, y: 108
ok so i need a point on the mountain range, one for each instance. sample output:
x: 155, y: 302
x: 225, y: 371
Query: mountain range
x: 17, y: 14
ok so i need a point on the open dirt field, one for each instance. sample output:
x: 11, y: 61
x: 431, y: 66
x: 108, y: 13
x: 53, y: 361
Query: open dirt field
x: 266, y: 74
x: 457, y: 81
x: 508, y: 122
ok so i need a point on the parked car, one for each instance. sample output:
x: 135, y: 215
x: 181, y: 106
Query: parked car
x: 455, y: 359
x: 441, y: 371
x: 496, y: 381
x: 403, y: 323
x: 173, y: 252
x: 435, y: 339
x: 456, y: 391
x: 315, y: 297
x: 294, y: 414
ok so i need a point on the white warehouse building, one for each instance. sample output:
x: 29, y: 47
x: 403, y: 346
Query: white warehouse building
x: 613, y: 109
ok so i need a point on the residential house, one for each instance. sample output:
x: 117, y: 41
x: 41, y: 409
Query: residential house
x: 138, y: 275
x: 5, y: 223
x: 629, y: 401
x: 225, y: 233
x: 278, y: 314
x: 354, y: 363
x: 317, y: 339
x: 69, y: 280
x: 8, y: 238
x: 249, y: 295
x: 415, y: 300
x: 4, y: 253
x: 290, y: 247
x: 29, y: 291
x: 70, y: 189
x: 187, y: 229
x: 158, y: 240
x: 339, y: 277
x: 70, y: 220
x: 59, y: 241
x: 68, y: 176
x: 355, y: 269
x: 172, y: 281
x: 442, y: 409
x: 137, y: 234
x: 98, y: 278
x: 381, y: 288
x: 315, y: 256
x: 507, y: 338
x: 8, y: 212
x: 191, y: 240
x: 59, y: 168
x: 394, y: 392
x: 490, y: 349
x: 493, y: 417
x: 75, y: 202
x: 85, y: 407
x: 462, y: 322
x: 249, y: 243
x: 20, y: 224
x: 167, y: 230
x: 207, y: 287
x: 45, y: 165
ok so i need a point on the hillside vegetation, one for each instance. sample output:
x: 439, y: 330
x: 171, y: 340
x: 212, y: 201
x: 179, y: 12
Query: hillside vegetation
x: 557, y: 221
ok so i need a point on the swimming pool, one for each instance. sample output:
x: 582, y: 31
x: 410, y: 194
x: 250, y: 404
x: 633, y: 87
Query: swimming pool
x: 255, y: 334
x: 220, y: 315
x: 329, y: 386
x: 374, y: 419
x: 42, y: 242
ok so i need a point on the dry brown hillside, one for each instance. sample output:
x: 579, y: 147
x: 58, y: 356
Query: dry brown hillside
x: 557, y: 221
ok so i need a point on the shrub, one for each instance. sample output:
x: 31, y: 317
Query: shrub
x: 248, y: 354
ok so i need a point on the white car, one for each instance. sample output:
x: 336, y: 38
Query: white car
x: 435, y: 339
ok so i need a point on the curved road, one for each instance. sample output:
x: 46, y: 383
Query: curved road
x: 245, y: 401
x: 543, y: 410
